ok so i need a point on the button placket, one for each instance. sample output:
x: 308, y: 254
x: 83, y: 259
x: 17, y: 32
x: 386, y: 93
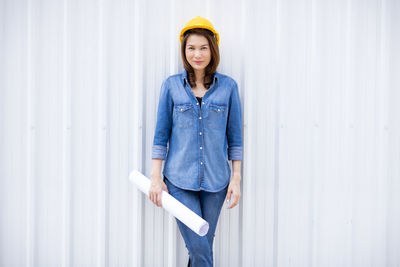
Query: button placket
x: 201, y: 144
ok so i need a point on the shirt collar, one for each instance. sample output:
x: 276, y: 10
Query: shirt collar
x: 184, y: 77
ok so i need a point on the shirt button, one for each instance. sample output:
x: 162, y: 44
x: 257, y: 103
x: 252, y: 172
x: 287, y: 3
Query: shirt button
x: 201, y: 163
x: 202, y: 102
x: 181, y: 109
x: 199, y: 118
x: 198, y: 103
x: 200, y: 133
x: 201, y: 147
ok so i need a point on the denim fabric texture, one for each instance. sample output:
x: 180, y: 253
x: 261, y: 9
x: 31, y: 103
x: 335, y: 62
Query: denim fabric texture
x: 208, y: 206
x: 196, y: 143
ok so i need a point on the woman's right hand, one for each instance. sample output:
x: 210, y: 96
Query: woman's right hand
x: 155, y: 191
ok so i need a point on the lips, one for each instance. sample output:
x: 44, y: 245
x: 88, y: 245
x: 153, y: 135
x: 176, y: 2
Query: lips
x: 198, y: 62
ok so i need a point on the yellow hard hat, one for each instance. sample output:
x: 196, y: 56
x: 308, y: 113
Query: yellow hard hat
x: 199, y: 22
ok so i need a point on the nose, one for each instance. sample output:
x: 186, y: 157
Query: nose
x: 197, y: 53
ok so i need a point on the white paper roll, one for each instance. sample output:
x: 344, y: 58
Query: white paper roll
x: 172, y: 205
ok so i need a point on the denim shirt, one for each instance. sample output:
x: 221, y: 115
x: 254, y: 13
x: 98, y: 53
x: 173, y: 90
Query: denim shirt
x: 200, y: 140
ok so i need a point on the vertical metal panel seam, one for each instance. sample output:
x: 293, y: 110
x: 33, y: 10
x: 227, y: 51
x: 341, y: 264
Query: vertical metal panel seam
x: 137, y: 252
x: 242, y: 71
x: 101, y: 145
x: 311, y: 240
x: 172, y: 231
x: 30, y: 147
x: 66, y: 145
x: 248, y: 172
x: 349, y: 83
x: 277, y: 139
x: 382, y: 82
x: 208, y: 8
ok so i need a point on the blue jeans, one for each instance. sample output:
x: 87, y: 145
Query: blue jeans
x: 208, y: 206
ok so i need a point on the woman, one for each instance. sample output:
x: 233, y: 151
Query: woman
x: 199, y: 117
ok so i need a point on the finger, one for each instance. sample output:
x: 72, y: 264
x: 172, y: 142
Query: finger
x: 159, y: 200
x: 230, y: 203
x: 228, y: 196
x: 165, y: 188
x: 237, y: 198
x: 154, y: 198
x: 234, y: 201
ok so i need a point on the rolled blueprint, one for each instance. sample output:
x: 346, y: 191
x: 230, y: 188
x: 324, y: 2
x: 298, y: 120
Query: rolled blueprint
x: 172, y: 205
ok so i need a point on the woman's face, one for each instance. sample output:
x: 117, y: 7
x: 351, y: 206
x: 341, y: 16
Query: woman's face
x: 198, y: 52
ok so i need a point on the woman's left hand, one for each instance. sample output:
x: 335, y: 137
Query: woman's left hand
x: 233, y: 194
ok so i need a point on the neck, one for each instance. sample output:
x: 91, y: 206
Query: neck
x: 199, y: 75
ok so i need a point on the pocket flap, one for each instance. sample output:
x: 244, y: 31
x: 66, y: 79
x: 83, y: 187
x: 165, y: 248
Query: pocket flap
x: 217, y: 107
x: 183, y: 107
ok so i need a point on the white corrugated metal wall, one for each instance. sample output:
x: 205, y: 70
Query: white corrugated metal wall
x: 319, y: 83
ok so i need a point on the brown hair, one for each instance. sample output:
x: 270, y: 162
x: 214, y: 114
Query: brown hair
x: 211, y: 67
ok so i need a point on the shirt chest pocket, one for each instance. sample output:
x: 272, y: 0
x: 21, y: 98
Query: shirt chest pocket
x: 216, y: 116
x: 183, y: 115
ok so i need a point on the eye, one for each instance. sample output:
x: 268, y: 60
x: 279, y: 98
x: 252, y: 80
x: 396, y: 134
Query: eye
x: 190, y: 48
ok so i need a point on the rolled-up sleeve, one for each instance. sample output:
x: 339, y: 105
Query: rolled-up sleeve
x: 234, y: 127
x: 164, y: 123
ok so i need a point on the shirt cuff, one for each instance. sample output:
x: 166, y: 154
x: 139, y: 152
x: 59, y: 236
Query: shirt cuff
x: 158, y: 152
x: 235, y: 153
